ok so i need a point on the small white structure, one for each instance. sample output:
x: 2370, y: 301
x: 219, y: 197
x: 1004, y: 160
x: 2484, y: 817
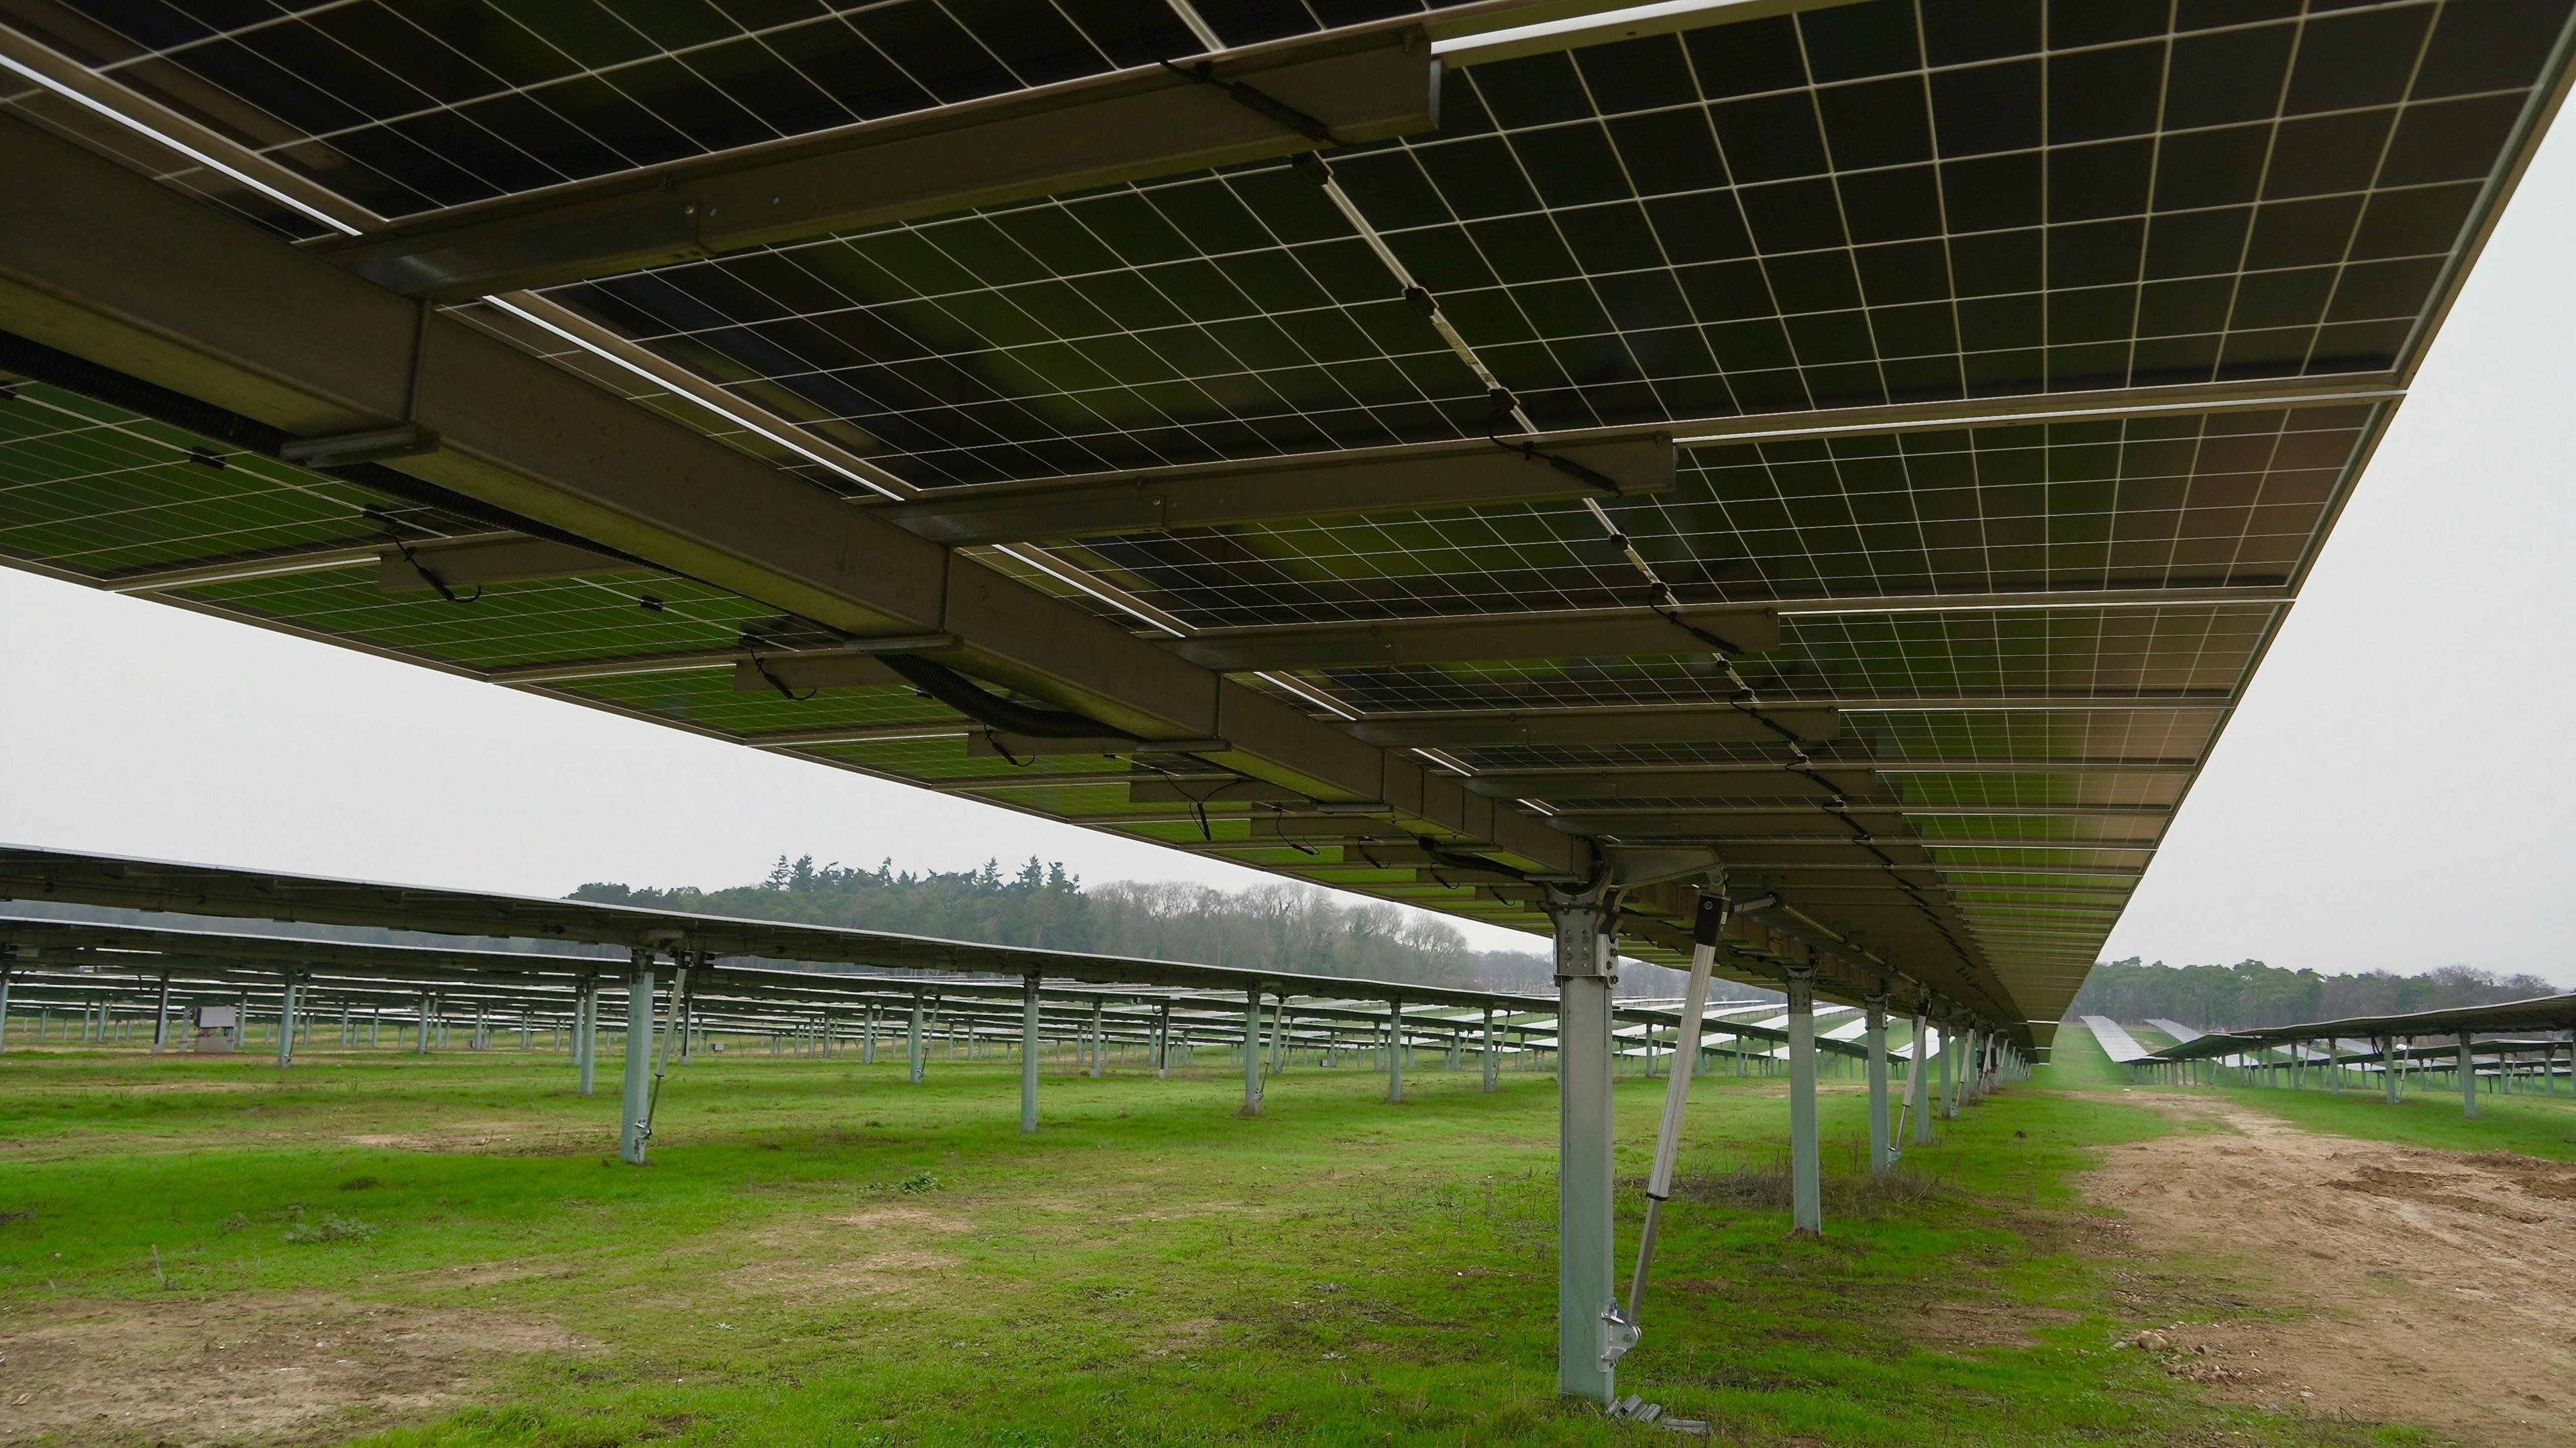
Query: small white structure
x: 218, y: 1030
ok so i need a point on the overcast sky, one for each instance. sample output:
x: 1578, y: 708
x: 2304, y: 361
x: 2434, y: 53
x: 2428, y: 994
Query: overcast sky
x: 2396, y: 793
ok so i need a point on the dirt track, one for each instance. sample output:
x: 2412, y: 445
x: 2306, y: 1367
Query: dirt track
x: 2436, y: 1289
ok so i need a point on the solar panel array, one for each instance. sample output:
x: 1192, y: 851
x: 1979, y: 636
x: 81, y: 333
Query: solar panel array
x: 2019, y: 355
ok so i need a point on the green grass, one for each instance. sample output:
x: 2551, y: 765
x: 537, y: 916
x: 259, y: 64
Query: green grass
x: 822, y: 1254
x: 2532, y: 1125
x: 2428, y: 1115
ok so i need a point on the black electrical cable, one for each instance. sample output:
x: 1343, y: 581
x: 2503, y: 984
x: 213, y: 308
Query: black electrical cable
x: 775, y: 682
x: 1204, y: 73
x: 1563, y: 464
x: 423, y: 570
x: 993, y: 711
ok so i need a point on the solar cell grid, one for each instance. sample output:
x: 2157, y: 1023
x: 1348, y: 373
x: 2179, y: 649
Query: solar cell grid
x: 2036, y: 733
x: 406, y: 106
x: 1857, y: 204
x: 509, y: 623
x: 1994, y: 222
x: 2207, y: 499
x: 94, y: 488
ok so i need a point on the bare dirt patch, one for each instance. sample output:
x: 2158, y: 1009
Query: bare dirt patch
x: 487, y: 1138
x: 2390, y: 1284
x: 872, y: 1250
x: 1959, y: 1326
x: 269, y: 1368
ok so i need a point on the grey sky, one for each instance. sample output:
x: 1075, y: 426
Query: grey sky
x: 2395, y: 792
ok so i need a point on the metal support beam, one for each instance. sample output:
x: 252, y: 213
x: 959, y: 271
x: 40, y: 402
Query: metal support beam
x: 637, y: 1102
x: 1163, y: 1041
x: 1395, y: 1050
x: 1587, y: 633
x: 1095, y: 1039
x: 2468, y: 1079
x: 1380, y: 480
x: 1493, y: 1063
x: 1882, y: 1156
x: 287, y: 1021
x: 1756, y: 787
x: 160, y: 1013
x: 117, y: 269
x: 1029, y: 1058
x: 1949, y: 1071
x: 1918, y: 1079
x: 1587, y: 1316
x: 912, y: 1044
x: 1130, y: 125
x: 1252, y: 1052
x: 1652, y: 724
x: 1806, y: 1162
x: 585, y: 1034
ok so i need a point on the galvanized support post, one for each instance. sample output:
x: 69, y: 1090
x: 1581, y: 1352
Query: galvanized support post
x: 1095, y: 1038
x: 1881, y: 1157
x: 913, y: 1045
x: 424, y: 1025
x: 638, y: 1100
x: 1395, y: 1049
x: 1029, y: 1057
x: 1806, y: 1163
x: 1918, y: 1079
x: 1491, y: 1062
x: 2468, y: 1079
x: 160, y: 1013
x: 1163, y: 1041
x: 1252, y: 1052
x: 868, y: 1038
x: 586, y: 1035
x: 1591, y: 1335
x: 286, y: 1023
x: 1949, y: 1084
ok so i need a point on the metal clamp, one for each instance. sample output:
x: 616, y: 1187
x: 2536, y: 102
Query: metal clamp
x: 1618, y: 1335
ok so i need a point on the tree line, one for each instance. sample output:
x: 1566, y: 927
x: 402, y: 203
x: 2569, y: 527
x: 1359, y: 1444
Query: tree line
x: 1284, y: 926
x: 2251, y: 993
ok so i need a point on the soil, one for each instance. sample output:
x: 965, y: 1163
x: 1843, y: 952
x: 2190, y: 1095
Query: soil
x: 2374, y: 1283
x: 272, y: 1368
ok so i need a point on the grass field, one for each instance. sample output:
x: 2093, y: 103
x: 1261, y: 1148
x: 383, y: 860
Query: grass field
x: 2530, y: 1121
x: 822, y: 1254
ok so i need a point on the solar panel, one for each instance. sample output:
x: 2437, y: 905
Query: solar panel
x: 2018, y: 354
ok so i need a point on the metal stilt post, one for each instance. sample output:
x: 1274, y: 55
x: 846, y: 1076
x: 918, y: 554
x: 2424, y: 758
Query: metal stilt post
x: 1491, y: 1062
x: 1806, y: 1197
x: 912, y: 1046
x: 160, y: 1014
x: 586, y: 1035
x: 286, y: 1023
x: 1395, y: 1049
x: 1252, y: 1052
x: 1095, y: 1038
x: 1590, y: 1335
x: 1163, y: 1042
x: 1881, y: 1157
x: 638, y: 1098
x: 1918, y: 1078
x: 2468, y: 1079
x: 1029, y: 1057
